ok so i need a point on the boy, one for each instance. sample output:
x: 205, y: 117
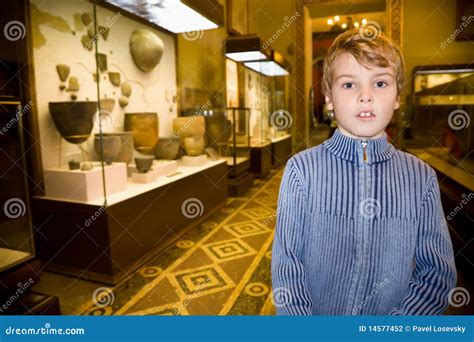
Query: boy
x: 360, y: 227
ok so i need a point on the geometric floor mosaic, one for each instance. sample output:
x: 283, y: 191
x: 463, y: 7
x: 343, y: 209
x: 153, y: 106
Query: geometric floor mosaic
x: 220, y: 268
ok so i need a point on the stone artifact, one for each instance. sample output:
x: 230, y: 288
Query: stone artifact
x: 63, y: 71
x: 102, y: 62
x: 73, y: 84
x: 74, y: 164
x: 114, y: 78
x: 126, y: 89
x: 123, y: 101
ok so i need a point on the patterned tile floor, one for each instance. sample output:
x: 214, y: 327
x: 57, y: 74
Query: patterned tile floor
x: 221, y: 267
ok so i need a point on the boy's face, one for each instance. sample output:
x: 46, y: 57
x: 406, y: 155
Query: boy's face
x: 362, y: 99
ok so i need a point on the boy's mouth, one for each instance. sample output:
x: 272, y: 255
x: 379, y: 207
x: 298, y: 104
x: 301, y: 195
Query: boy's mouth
x: 366, y: 115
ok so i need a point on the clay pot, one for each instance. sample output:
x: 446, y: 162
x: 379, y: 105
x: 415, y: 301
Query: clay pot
x: 124, y: 154
x: 146, y: 49
x: 144, y: 164
x: 194, y: 145
x: 189, y: 126
x: 111, y: 146
x: 145, y: 130
x: 73, y: 119
x: 167, y: 148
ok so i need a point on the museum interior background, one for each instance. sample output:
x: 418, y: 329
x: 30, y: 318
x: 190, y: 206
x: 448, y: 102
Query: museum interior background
x: 143, y: 143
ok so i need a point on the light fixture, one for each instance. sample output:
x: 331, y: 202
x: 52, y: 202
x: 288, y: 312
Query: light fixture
x: 337, y: 24
x: 244, y: 48
x: 176, y: 16
x: 275, y: 66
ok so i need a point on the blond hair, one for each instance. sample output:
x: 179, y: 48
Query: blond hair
x: 373, y: 49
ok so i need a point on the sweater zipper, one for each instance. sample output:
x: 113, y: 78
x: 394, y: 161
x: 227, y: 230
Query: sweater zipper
x: 364, y: 149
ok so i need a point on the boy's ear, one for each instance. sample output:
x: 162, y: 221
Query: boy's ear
x: 328, y: 102
x: 396, y: 105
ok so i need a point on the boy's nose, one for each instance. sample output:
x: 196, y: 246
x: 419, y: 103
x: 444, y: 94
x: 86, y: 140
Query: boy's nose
x: 365, y: 97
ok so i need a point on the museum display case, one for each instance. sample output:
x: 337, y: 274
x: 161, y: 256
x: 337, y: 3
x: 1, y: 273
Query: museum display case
x: 118, y: 162
x: 443, y: 96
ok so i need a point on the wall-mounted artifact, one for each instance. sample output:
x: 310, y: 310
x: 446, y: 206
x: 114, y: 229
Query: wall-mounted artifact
x: 114, y: 78
x: 194, y: 145
x: 146, y: 49
x: 168, y: 148
x: 144, y: 164
x: 189, y: 126
x: 104, y: 32
x: 73, y: 119
x: 87, y: 42
x: 63, y: 71
x: 111, y: 146
x: 102, y: 62
x: 145, y: 130
x: 86, y: 18
x: 107, y: 104
x: 123, y: 101
x: 90, y: 32
x: 73, y: 84
x: 126, y: 89
x: 125, y: 153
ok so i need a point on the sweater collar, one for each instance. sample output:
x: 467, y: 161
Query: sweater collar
x: 376, y: 150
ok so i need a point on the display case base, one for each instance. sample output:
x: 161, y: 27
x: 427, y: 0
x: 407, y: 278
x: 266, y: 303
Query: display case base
x: 144, y: 177
x: 260, y: 159
x: 77, y: 185
x: 281, y: 150
x: 241, y: 166
x: 241, y: 185
x: 124, y: 235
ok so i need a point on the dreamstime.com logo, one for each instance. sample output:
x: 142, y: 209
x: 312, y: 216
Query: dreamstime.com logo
x: 370, y: 31
x: 192, y: 208
x: 281, y: 119
x: 458, y: 119
x: 102, y: 297
x: 14, y: 208
x: 193, y: 35
x: 14, y: 30
x: 458, y: 297
x: 281, y: 297
x: 104, y: 119
x: 369, y: 208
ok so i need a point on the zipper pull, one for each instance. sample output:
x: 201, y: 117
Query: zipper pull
x: 364, y: 149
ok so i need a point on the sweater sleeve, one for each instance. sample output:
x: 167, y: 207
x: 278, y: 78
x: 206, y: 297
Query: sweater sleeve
x: 435, y: 272
x: 288, y: 274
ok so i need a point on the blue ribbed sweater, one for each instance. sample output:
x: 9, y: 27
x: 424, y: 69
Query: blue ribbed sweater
x: 360, y: 231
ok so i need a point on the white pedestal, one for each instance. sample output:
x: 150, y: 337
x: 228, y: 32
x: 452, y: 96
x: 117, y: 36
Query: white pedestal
x: 159, y: 168
x: 85, y: 186
x: 194, y: 160
x: 143, y: 177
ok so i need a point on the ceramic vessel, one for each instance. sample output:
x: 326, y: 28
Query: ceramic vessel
x: 144, y: 164
x: 123, y: 154
x: 73, y: 119
x: 168, y: 148
x: 194, y: 145
x: 146, y: 49
x: 189, y: 126
x: 145, y: 130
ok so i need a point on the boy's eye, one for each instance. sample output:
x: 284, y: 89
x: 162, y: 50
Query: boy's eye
x: 381, y: 84
x: 348, y: 85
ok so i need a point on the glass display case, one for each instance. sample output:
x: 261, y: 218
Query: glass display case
x: 443, y: 96
x: 115, y: 154
x: 16, y: 235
